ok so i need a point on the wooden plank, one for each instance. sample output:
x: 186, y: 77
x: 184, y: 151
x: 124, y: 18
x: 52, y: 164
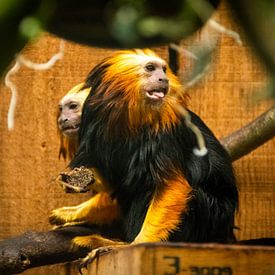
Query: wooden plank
x: 186, y: 259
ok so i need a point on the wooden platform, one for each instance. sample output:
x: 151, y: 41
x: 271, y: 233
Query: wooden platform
x: 186, y: 259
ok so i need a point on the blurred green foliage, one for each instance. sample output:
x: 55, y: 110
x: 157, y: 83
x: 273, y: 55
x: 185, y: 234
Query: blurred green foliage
x: 20, y: 21
x: 107, y: 23
x: 129, y: 23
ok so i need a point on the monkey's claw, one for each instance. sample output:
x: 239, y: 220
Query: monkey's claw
x: 93, y: 255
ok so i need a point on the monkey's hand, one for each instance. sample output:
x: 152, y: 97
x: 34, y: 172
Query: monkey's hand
x: 78, y: 180
x: 101, y: 209
x: 83, y: 179
x: 66, y: 216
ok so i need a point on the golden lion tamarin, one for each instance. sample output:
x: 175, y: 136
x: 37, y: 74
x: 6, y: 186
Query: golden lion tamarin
x: 69, y: 118
x: 157, y: 189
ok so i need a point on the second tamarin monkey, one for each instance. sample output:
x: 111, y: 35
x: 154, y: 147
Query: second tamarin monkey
x: 157, y: 189
x: 69, y: 118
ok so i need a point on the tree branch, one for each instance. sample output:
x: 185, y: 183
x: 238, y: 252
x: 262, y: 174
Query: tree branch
x: 33, y: 249
x: 251, y: 136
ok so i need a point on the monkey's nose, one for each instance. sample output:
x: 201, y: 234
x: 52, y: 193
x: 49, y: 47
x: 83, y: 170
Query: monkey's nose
x: 164, y: 80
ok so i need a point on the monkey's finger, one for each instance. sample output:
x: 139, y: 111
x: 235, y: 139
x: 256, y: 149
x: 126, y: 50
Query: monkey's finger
x: 93, y: 255
x: 69, y: 188
x: 68, y: 224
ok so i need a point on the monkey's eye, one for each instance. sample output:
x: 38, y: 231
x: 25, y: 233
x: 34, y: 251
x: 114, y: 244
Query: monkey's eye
x: 164, y: 69
x: 60, y: 108
x: 73, y: 106
x: 150, y: 67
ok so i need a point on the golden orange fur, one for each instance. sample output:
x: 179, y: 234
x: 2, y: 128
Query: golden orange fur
x: 129, y: 65
x: 165, y: 210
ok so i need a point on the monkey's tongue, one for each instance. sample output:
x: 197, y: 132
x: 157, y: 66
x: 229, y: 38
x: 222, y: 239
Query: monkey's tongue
x: 155, y: 94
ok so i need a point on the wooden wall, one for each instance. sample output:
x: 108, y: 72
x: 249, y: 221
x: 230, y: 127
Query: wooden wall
x: 226, y: 100
x: 29, y: 153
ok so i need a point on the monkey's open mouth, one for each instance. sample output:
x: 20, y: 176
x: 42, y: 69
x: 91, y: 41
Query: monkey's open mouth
x: 157, y: 94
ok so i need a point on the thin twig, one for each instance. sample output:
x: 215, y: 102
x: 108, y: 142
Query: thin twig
x: 193, y: 81
x: 42, y: 66
x: 13, y: 90
x: 222, y: 29
x: 21, y: 60
x: 201, y: 150
x: 203, y: 9
x: 183, y: 51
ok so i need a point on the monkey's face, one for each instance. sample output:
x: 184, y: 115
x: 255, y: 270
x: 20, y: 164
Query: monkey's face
x: 137, y: 75
x: 156, y: 83
x: 70, y: 110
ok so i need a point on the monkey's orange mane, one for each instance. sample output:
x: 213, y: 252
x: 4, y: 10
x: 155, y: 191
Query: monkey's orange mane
x: 122, y: 81
x: 67, y: 147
